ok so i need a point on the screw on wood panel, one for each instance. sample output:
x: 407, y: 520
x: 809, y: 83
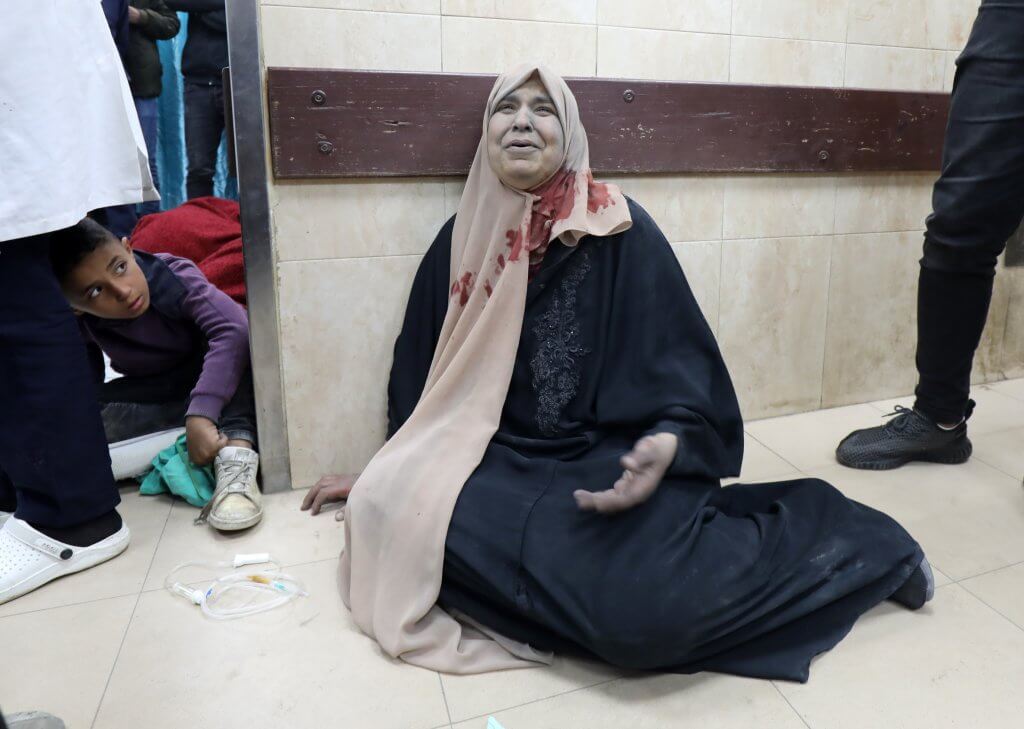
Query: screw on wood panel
x: 324, y: 147
x: 628, y: 96
x: 318, y: 97
x: 823, y: 155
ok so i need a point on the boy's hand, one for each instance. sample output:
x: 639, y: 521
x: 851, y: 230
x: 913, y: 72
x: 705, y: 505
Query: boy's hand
x: 328, y: 490
x: 203, y: 439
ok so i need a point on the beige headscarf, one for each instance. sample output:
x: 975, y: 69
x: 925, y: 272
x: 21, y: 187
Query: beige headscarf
x: 397, y: 516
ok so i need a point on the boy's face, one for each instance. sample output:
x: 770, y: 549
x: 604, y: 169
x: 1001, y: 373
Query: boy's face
x: 108, y: 283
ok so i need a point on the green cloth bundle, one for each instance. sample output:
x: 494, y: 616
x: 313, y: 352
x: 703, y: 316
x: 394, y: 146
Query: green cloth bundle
x: 174, y: 473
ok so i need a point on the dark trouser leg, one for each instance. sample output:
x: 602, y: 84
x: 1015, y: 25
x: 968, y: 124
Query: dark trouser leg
x: 8, y: 496
x: 139, y: 405
x: 118, y: 219
x: 238, y: 419
x: 978, y: 202
x: 148, y: 112
x: 204, y: 125
x: 51, y: 438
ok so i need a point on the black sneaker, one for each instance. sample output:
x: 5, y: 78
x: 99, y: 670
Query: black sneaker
x: 909, y: 436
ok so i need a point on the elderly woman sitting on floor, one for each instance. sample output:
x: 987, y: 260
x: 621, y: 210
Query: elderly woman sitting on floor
x: 560, y: 418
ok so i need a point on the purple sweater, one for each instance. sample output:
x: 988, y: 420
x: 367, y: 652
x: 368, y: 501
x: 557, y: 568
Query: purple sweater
x: 186, y: 312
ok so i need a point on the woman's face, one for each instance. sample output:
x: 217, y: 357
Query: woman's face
x: 525, y: 143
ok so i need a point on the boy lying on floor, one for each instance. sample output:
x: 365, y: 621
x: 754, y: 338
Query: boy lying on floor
x: 183, y: 348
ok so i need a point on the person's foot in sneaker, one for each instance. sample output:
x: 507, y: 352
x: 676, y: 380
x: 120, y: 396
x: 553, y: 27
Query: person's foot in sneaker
x: 236, y: 502
x: 908, y: 436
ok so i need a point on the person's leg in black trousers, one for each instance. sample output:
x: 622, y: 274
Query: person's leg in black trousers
x: 978, y: 202
x: 204, y: 126
x: 53, y: 453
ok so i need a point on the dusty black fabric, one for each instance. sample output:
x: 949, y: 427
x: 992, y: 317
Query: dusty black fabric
x: 752, y: 580
x: 978, y: 202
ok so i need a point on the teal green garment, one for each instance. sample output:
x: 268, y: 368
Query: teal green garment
x: 173, y: 472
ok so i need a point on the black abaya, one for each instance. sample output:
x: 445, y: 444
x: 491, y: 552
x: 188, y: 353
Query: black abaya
x: 753, y: 580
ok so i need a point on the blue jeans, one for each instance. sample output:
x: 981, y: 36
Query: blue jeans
x: 148, y: 112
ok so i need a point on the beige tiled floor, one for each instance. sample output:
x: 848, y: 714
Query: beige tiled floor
x: 110, y: 649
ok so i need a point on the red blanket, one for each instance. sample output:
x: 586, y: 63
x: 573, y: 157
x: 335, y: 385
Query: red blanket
x: 207, y: 231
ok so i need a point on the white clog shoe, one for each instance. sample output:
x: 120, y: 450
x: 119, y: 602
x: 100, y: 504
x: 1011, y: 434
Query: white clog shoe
x: 29, y: 559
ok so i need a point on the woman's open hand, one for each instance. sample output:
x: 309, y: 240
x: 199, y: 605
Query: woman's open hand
x: 644, y: 466
x: 328, y: 490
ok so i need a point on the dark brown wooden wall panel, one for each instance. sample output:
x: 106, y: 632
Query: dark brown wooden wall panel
x: 335, y: 123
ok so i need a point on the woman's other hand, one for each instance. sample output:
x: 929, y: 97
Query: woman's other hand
x: 203, y: 439
x: 644, y: 466
x: 328, y: 490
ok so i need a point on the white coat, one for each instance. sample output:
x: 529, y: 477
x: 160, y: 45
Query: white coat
x: 70, y: 140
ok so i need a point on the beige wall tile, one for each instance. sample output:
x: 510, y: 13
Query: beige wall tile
x: 883, y: 202
x: 558, y: 11
x: 685, y: 207
x: 872, y: 318
x: 941, y: 24
x: 768, y: 206
x: 344, y: 39
x: 791, y: 62
x: 702, y: 264
x: 953, y: 22
x: 902, y: 23
x: 384, y: 6
x: 881, y: 67
x: 771, y: 326
x: 702, y: 16
x: 339, y: 321
x: 662, y: 55
x: 807, y: 19
x: 352, y: 219
x: 453, y: 189
x: 1013, y: 341
x: 477, y: 45
x: 988, y: 358
x: 950, y: 71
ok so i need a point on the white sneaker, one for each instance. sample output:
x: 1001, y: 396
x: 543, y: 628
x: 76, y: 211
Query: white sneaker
x: 236, y: 502
x: 29, y: 559
x: 4, y: 516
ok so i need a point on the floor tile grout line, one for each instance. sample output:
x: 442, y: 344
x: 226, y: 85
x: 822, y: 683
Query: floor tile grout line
x: 444, y: 697
x: 117, y: 657
x: 772, y: 451
x: 790, y: 704
x: 981, y: 459
x: 998, y: 612
x: 128, y: 623
x: 982, y: 574
x: 79, y: 603
x: 545, y: 698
